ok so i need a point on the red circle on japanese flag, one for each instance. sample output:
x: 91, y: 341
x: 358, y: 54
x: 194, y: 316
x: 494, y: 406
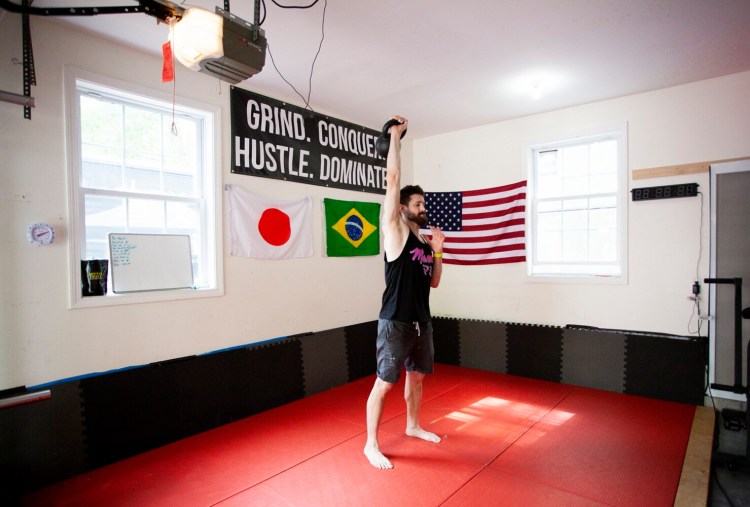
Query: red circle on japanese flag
x: 274, y: 226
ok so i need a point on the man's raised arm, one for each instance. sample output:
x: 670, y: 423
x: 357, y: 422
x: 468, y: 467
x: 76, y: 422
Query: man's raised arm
x: 394, y: 229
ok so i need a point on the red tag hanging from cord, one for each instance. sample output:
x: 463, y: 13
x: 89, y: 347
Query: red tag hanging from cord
x: 167, y: 69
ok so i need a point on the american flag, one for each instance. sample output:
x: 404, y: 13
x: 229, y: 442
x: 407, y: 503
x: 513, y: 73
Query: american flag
x: 481, y: 226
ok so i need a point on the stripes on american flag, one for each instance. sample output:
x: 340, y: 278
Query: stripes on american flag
x: 481, y: 226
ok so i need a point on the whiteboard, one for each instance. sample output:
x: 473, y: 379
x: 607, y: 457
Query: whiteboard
x: 146, y: 262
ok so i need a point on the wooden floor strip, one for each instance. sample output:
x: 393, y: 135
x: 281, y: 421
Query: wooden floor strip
x: 696, y: 469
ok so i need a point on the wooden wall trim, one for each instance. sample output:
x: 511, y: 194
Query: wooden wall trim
x: 679, y: 170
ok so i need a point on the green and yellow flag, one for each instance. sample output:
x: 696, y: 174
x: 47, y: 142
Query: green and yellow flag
x: 351, y: 228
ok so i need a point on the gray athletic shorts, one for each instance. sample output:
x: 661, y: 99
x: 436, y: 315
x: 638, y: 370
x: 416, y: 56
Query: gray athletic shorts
x: 404, y: 345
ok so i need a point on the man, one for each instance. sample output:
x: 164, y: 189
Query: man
x: 413, y: 264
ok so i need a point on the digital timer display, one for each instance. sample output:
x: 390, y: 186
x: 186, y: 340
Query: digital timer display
x: 665, y: 192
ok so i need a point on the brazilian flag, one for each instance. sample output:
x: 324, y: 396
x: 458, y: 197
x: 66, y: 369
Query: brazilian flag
x: 351, y: 228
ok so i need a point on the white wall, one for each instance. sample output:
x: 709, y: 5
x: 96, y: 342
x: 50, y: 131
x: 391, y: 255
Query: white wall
x: 41, y: 339
x: 704, y: 121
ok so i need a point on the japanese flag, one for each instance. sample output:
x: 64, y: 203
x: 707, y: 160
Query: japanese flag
x: 269, y: 229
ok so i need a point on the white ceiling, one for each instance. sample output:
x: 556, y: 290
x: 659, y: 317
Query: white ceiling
x: 450, y: 65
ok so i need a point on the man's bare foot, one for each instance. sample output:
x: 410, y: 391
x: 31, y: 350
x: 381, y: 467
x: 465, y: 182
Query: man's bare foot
x: 377, y: 459
x: 424, y: 435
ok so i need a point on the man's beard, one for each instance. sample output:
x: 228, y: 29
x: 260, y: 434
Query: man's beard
x: 419, y: 219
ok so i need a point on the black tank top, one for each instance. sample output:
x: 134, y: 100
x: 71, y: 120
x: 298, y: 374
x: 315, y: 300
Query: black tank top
x: 407, y: 283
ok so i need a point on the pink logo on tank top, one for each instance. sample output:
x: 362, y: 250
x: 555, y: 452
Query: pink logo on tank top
x: 418, y: 255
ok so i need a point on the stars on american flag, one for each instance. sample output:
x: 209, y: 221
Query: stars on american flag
x: 444, y: 210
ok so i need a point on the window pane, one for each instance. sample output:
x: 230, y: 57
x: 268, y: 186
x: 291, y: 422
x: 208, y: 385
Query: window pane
x: 604, y: 157
x: 603, y: 218
x: 183, y: 218
x: 603, y: 183
x: 576, y: 161
x: 575, y: 197
x: 544, y: 206
x: 602, y: 248
x: 101, y: 142
x: 125, y: 147
x: 576, y: 185
x: 575, y: 246
x: 575, y: 204
x: 550, y: 221
x: 181, y: 151
x: 142, y: 139
x: 549, y: 246
x: 576, y: 220
x: 146, y: 216
x: 609, y: 201
x: 181, y: 184
x: 549, y: 176
x: 142, y: 180
x: 101, y: 175
x: 102, y: 216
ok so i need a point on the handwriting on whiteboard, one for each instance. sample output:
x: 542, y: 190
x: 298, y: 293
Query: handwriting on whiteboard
x: 121, y: 248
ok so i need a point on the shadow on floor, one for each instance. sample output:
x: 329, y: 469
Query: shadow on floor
x: 730, y: 473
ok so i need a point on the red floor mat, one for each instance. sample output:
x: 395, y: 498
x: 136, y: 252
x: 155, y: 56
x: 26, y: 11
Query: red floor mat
x: 613, y: 448
x: 493, y: 487
x: 206, y: 468
x: 423, y: 475
x: 507, y: 441
x: 479, y: 419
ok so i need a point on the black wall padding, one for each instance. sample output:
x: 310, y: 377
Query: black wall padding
x: 360, y: 349
x: 665, y: 368
x: 594, y: 359
x: 445, y: 337
x: 535, y: 351
x: 129, y: 412
x: 135, y: 410
x: 483, y: 345
x: 41, y: 443
x: 324, y: 356
x: 100, y: 419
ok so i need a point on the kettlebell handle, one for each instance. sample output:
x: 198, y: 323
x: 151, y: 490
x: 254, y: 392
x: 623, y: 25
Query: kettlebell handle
x: 383, y: 142
x: 390, y: 123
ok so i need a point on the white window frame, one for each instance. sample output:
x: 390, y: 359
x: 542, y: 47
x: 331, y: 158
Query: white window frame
x: 212, y: 180
x: 618, y: 132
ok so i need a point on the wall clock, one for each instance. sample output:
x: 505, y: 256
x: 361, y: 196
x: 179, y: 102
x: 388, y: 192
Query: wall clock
x: 665, y: 192
x: 40, y: 234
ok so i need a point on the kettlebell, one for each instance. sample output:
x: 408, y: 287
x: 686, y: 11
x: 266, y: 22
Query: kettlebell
x: 383, y: 142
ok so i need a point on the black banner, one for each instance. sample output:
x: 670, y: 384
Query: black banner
x: 273, y: 139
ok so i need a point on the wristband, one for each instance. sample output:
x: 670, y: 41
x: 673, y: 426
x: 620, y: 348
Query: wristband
x: 437, y: 255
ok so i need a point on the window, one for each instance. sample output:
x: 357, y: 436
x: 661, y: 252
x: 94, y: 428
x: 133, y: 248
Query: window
x: 141, y: 165
x: 577, y: 208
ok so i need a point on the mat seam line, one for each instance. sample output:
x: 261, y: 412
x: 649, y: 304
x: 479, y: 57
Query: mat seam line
x: 328, y: 449
x: 288, y: 468
x: 487, y: 464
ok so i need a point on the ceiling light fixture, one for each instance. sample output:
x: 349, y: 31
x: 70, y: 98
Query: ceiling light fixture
x: 536, y: 90
x: 197, y: 36
x: 219, y: 44
x: 535, y: 84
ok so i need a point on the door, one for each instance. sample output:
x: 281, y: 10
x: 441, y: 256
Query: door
x: 730, y: 258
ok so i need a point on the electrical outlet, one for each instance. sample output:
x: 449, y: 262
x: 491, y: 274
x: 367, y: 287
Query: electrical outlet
x: 696, y: 288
